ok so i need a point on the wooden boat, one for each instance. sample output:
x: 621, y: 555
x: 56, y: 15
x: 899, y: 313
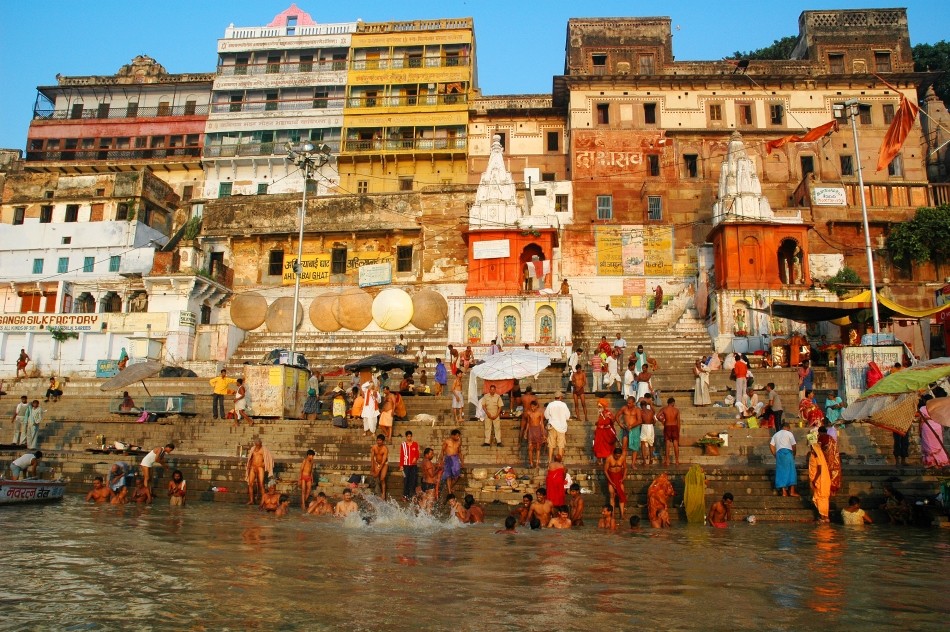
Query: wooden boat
x: 30, y: 491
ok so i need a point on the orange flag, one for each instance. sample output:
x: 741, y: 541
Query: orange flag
x: 808, y: 137
x: 900, y: 127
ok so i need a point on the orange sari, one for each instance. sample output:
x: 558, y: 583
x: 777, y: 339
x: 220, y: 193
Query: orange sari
x: 833, y: 458
x: 820, y: 481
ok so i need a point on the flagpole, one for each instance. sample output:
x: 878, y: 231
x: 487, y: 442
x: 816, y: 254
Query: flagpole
x: 853, y: 105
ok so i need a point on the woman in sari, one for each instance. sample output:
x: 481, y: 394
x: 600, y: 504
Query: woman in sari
x: 829, y: 446
x: 932, y: 451
x: 819, y: 479
x: 809, y: 411
x: 701, y: 392
x: 605, y: 437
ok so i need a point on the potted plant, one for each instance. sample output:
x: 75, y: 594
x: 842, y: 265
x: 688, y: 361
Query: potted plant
x: 710, y: 444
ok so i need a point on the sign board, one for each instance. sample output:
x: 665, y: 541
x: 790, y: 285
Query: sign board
x: 39, y: 322
x: 316, y: 268
x: 107, y: 368
x: 376, y: 274
x: 852, y: 372
x: 186, y: 319
x: 634, y: 250
x: 491, y: 249
x: 829, y: 196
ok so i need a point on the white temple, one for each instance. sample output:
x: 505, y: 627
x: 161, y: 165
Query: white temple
x: 496, y: 204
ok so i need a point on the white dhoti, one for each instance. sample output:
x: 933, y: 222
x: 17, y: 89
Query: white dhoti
x: 370, y: 420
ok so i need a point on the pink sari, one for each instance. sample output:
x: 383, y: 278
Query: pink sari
x: 932, y: 451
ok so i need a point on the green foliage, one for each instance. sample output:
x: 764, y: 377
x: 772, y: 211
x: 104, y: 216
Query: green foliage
x: 780, y: 49
x: 61, y: 335
x: 192, y: 228
x: 935, y: 58
x: 924, y: 238
x: 842, y: 281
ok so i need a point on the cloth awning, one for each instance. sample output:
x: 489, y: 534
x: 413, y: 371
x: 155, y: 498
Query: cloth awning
x: 813, y: 311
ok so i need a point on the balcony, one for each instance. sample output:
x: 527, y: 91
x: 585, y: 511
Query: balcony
x: 232, y: 150
x: 292, y: 105
x: 407, y: 101
x: 167, y: 263
x: 401, y: 63
x: 448, y: 145
x: 283, y: 67
x: 83, y: 155
x: 126, y: 112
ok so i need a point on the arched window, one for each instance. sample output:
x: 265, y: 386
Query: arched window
x: 85, y: 304
x: 111, y: 303
x: 790, y: 262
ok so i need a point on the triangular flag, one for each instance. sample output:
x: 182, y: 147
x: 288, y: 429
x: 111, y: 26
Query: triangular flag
x: 900, y: 127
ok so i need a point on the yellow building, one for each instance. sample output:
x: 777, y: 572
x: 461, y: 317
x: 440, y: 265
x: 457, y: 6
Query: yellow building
x: 405, y: 117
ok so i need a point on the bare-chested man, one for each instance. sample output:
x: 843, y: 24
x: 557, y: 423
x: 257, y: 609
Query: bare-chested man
x: 542, y: 508
x: 615, y: 469
x: 306, y: 478
x: 456, y: 509
x: 533, y: 424
x: 259, y: 463
x: 520, y: 512
x: 670, y: 416
x: 629, y: 419
x: 430, y: 479
x: 451, y: 459
x: 283, y: 505
x: 346, y: 506
x: 99, y: 492
x: 527, y: 397
x: 379, y: 463
x: 271, y: 498
x: 473, y: 509
x: 320, y: 506
x: 647, y: 429
x: 141, y: 493
x: 576, y: 505
x: 721, y: 512
x: 579, y: 388
x: 386, y: 411
x: 607, y: 520
x: 561, y: 519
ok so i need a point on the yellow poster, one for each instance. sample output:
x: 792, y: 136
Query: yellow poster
x: 317, y: 268
x: 658, y: 250
x: 609, y: 251
x: 273, y: 376
x: 634, y: 250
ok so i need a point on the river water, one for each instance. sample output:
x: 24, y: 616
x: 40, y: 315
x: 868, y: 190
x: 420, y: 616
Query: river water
x: 212, y: 566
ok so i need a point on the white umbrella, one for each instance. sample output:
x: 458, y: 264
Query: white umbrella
x: 507, y: 365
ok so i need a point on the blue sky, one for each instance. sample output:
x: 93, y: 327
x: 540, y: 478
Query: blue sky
x: 520, y: 45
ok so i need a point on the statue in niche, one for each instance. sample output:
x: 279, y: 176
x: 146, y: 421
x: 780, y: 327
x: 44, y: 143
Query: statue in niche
x: 799, y: 268
x: 139, y: 302
x: 740, y: 318
x: 546, y: 330
x: 509, y: 329
x: 474, y: 327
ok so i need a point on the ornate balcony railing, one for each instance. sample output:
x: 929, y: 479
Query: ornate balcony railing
x: 113, y: 154
x: 405, y: 144
x: 275, y: 68
x: 406, y: 100
x: 123, y: 112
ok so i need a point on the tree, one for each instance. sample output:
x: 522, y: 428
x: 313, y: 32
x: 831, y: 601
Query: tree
x: 934, y: 58
x: 780, y: 49
x: 922, y: 239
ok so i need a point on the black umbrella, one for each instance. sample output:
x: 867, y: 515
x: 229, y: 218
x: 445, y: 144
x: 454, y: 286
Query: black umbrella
x: 381, y: 362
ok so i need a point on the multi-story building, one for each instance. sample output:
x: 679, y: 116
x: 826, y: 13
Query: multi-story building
x: 276, y: 84
x: 140, y: 117
x: 408, y: 95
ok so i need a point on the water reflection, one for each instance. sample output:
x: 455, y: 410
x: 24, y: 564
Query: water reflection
x: 214, y: 566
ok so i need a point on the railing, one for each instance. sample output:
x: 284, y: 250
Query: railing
x: 318, y: 103
x: 121, y: 112
x: 399, y: 63
x: 405, y: 144
x: 273, y: 68
x: 252, y: 149
x: 113, y: 154
x: 253, y: 32
x: 940, y: 194
x: 406, y: 100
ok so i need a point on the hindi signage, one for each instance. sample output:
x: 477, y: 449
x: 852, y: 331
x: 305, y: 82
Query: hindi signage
x: 376, y: 274
x: 316, y: 268
x: 491, y: 249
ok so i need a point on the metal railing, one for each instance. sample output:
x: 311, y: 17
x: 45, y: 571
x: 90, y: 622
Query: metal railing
x: 120, y: 112
x: 317, y: 103
x: 252, y: 149
x: 399, y: 63
x: 274, y: 68
x: 405, y: 144
x: 406, y: 100
x: 113, y: 154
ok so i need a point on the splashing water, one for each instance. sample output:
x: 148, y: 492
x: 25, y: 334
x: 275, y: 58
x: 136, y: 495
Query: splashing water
x: 388, y: 515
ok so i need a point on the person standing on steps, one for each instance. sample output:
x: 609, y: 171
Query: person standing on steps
x: 620, y: 348
x: 492, y: 404
x: 306, y: 478
x: 578, y: 389
x: 783, y: 447
x: 34, y: 421
x: 670, y: 416
x: 240, y: 404
x: 441, y: 376
x: 451, y: 460
x: 458, y: 402
x: 409, y: 462
x: 379, y: 463
x: 260, y: 463
x: 557, y: 414
x: 20, y: 416
x: 657, y: 298
x: 21, y: 363
x: 221, y: 387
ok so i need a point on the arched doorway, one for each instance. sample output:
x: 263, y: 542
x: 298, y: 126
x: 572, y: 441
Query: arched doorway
x: 790, y: 262
x: 473, y: 326
x: 509, y: 326
x: 533, y: 276
x: 111, y: 303
x: 85, y: 304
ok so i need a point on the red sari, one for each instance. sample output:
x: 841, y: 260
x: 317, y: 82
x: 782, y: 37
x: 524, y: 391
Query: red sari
x: 810, y: 412
x: 605, y: 437
x: 555, y: 486
x: 830, y: 449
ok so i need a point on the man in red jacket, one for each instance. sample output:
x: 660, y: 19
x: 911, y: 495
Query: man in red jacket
x: 408, y: 461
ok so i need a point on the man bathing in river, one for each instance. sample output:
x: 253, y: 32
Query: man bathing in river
x: 607, y: 520
x: 99, y: 492
x: 346, y: 506
x: 306, y: 478
x: 474, y: 510
x: 321, y: 506
x: 430, y: 479
x: 520, y: 512
x: 153, y: 458
x: 561, y: 520
x: 451, y: 459
x: 379, y: 463
x: 576, y: 505
x: 259, y: 464
x: 721, y: 512
x: 270, y: 501
x: 542, y: 508
x: 534, y: 433
x: 510, y: 523
x: 615, y: 469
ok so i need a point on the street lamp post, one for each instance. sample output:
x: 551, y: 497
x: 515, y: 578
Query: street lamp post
x: 853, y: 106
x: 309, y: 158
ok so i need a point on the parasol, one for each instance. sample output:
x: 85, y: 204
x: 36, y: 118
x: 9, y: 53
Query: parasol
x: 507, y: 365
x: 892, y: 402
x: 133, y: 373
x: 382, y: 362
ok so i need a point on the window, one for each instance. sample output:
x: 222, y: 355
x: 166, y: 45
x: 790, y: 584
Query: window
x: 888, y: 109
x: 554, y: 141
x: 63, y: 265
x: 114, y: 262
x: 882, y: 61
x: 836, y: 63
x: 653, y: 164
x: 649, y: 113
x: 598, y: 62
x: 605, y: 207
x: 271, y: 101
x: 654, y: 208
x: 371, y: 95
x: 864, y: 114
x: 840, y: 111
x: 603, y: 113
x: 362, y: 186
x: 19, y: 215
x: 405, y: 183
x: 847, y: 165
x: 67, y: 241
x: 187, y: 192
x: 240, y: 66
x: 224, y: 189
x: 275, y: 263
x: 76, y: 111
x: 291, y: 27
x: 37, y: 266
x: 338, y: 261
x: 715, y: 112
x: 191, y: 107
x: 121, y: 212
x: 306, y: 63
x: 102, y: 111
x: 808, y: 165
x: 262, y: 188
x: 46, y: 214
x: 88, y: 264
x: 132, y: 109
x: 403, y: 258
x: 164, y: 108
x: 273, y: 64
x: 691, y: 163
x: 72, y: 212
x: 896, y: 166
x: 320, y: 97
x: 501, y: 138
x: 744, y: 114
x: 339, y: 61
x: 236, y: 102
x: 646, y: 64
x: 560, y: 203
x: 547, y: 177
x: 777, y: 114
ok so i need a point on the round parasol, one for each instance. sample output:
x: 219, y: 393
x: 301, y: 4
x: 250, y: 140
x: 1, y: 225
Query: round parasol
x: 382, y: 362
x: 891, y: 402
x: 133, y: 373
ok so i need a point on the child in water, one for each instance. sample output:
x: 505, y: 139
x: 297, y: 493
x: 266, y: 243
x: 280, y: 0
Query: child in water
x: 176, y: 489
